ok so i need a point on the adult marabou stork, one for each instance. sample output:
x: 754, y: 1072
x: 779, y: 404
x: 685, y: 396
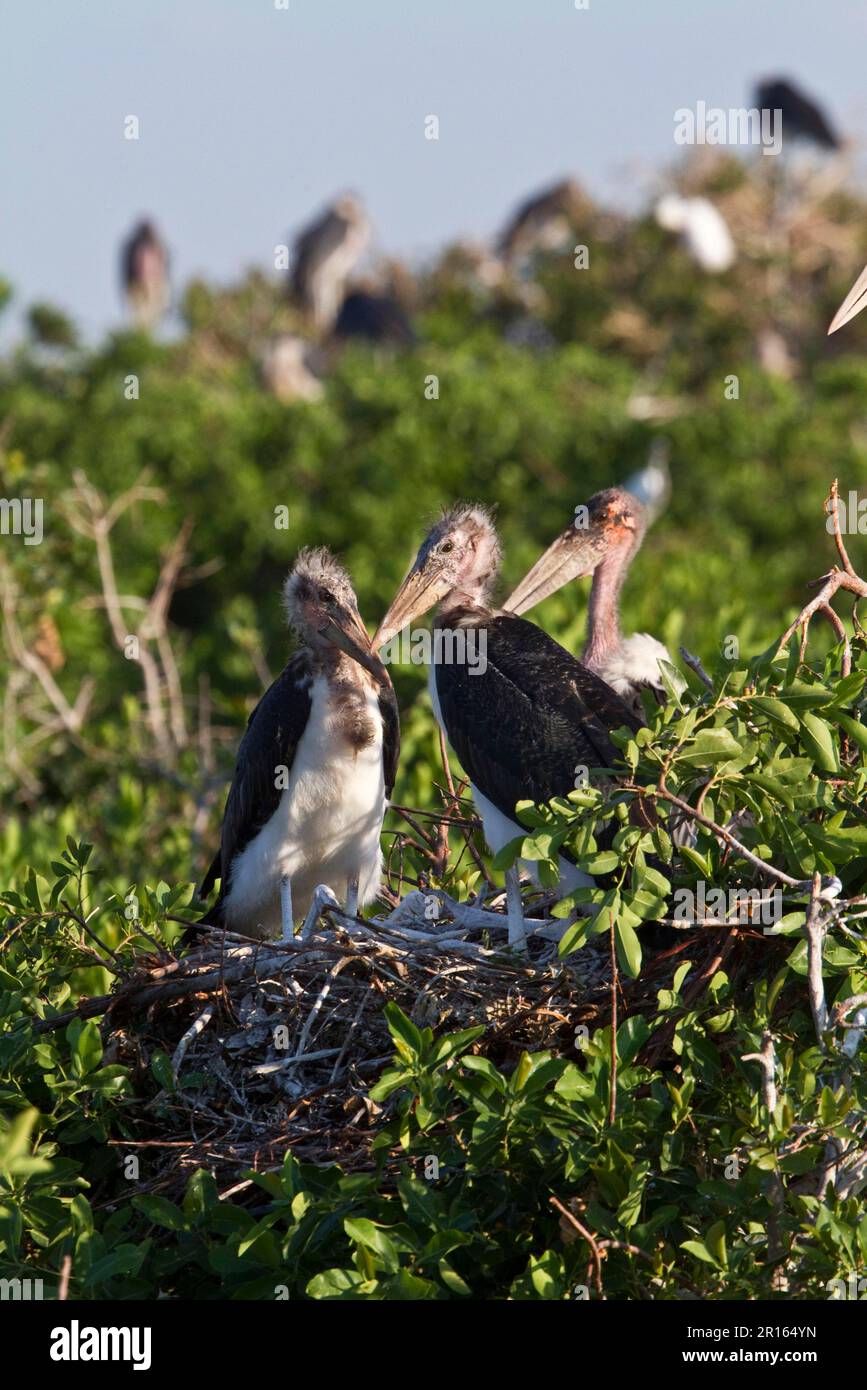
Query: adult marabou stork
x: 314, y: 770
x: 602, y: 540
x: 527, y: 717
x: 325, y: 254
x: 145, y: 275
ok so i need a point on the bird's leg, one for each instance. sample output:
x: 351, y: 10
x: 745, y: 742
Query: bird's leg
x: 517, y: 928
x: 286, y: 908
x: 322, y: 898
x: 352, y: 897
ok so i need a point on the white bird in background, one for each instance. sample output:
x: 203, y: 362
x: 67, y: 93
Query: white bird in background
x: 703, y: 230
x: 326, y: 253
x: 652, y: 483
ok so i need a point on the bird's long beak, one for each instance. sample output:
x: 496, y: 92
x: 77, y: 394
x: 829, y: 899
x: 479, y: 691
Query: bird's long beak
x: 853, y: 303
x: 418, y: 593
x: 351, y: 636
x: 571, y: 556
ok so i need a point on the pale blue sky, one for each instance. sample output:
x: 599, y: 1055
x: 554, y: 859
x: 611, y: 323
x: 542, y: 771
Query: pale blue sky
x: 251, y: 117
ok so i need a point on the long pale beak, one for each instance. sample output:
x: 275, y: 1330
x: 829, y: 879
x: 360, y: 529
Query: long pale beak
x: 351, y: 636
x: 417, y: 594
x: 566, y: 558
x: 853, y: 303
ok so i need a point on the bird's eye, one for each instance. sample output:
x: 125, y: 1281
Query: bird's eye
x: 326, y: 596
x: 446, y: 547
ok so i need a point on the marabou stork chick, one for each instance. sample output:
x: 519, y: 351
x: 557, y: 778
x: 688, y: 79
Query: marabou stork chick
x: 528, y: 721
x: 145, y: 275
x: 603, y: 541
x: 326, y: 253
x: 314, y: 770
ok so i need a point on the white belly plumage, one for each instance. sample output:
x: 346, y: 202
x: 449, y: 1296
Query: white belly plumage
x: 326, y: 828
x: 499, y: 828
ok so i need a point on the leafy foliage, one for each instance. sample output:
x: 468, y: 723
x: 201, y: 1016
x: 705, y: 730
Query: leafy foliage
x: 674, y: 1166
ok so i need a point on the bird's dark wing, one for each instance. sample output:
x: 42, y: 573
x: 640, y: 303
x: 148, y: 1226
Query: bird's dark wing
x: 129, y: 258
x: 313, y: 246
x: 535, y: 715
x: 378, y: 317
x: 273, y: 733
x: 800, y: 115
x: 390, y: 735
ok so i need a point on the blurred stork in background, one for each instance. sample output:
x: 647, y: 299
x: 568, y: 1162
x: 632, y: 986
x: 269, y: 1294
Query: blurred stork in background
x: 287, y: 369
x: 543, y: 223
x: 326, y: 253
x: 801, y: 117
x: 703, y: 230
x: 145, y: 275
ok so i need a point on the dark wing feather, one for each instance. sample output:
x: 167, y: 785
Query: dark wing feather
x: 378, y: 317
x: 522, y: 727
x: 273, y: 733
x: 390, y: 735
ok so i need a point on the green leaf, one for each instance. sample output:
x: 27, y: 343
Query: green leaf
x: 817, y: 738
x: 160, y: 1211
x: 628, y: 946
x: 372, y: 1237
x: 695, y: 1247
x: 775, y: 710
x: 406, y: 1037
x: 710, y: 746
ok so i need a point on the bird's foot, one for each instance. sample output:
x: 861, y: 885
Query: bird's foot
x: 515, y: 910
x: 352, y: 897
x: 322, y: 898
x: 286, y: 919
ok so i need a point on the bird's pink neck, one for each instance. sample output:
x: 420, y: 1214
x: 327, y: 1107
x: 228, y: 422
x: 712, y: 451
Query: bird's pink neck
x: 603, y: 613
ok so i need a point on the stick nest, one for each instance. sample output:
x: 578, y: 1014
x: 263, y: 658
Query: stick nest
x: 273, y: 1045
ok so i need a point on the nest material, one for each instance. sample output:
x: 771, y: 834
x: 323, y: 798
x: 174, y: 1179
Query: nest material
x: 275, y: 1044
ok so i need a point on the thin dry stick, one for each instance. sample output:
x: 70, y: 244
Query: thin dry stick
x: 815, y: 928
x: 694, y: 663
x: 844, y: 578
x: 196, y: 1027
x: 595, y: 1253
x: 612, y: 1080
